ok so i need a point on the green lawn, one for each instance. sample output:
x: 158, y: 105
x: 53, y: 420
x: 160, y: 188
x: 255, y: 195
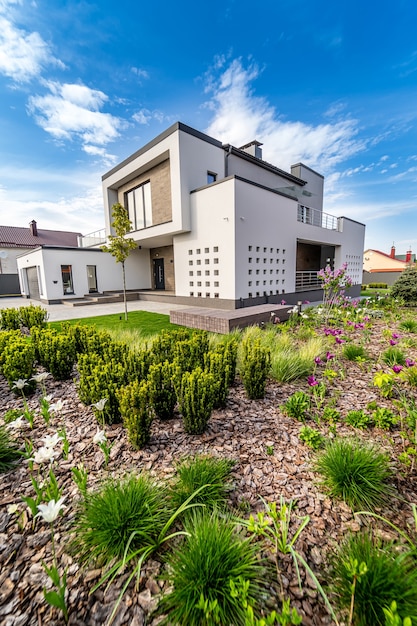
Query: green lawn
x: 139, y: 322
x: 374, y: 292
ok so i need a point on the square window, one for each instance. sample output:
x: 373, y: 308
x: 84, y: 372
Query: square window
x: 257, y: 293
x: 277, y: 250
x: 250, y: 283
x: 199, y: 294
x: 257, y: 260
x: 198, y: 251
x: 198, y: 261
x: 250, y: 248
x: 249, y: 295
x: 271, y: 260
x: 250, y: 260
x: 191, y: 283
x: 207, y: 295
x: 199, y: 283
x: 271, y: 271
x: 216, y: 283
x: 207, y: 283
x: 264, y: 260
x: 264, y: 271
x: 216, y: 295
x: 271, y: 250
x: 211, y: 177
x: 283, y: 261
x: 264, y: 282
x: 198, y: 272
x: 207, y: 272
x: 249, y: 271
x: 257, y: 248
x: 191, y: 293
x: 216, y: 272
x: 265, y: 249
x: 283, y: 271
x: 190, y: 251
x: 190, y: 262
x: 283, y: 252
x: 257, y: 282
x: 206, y: 261
x: 216, y: 249
x: 206, y: 250
x: 257, y: 271
x: 191, y: 273
x: 216, y: 260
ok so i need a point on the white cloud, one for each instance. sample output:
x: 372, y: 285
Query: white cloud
x: 23, y: 55
x: 144, y: 116
x: 72, y: 112
x: 240, y: 116
x: 140, y: 73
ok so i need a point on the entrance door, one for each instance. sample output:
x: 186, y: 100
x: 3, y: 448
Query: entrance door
x: 33, y: 283
x: 92, y: 278
x: 159, y: 273
x: 67, y: 284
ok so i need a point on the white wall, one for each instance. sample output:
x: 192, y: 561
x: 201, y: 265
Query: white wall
x: 264, y: 220
x: 212, y: 226
x: 109, y: 273
x: 351, y: 251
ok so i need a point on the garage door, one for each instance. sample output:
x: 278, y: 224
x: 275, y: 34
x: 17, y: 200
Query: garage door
x: 33, y: 283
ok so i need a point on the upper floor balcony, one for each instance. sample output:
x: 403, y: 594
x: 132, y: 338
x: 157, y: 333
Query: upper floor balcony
x: 96, y: 238
x: 315, y: 217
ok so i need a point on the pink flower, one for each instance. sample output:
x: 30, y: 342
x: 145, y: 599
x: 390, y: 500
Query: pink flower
x: 395, y: 336
x: 329, y: 356
x: 392, y: 342
x: 312, y: 381
x: 397, y: 368
x: 283, y: 302
x: 338, y: 340
x: 410, y: 362
x: 317, y: 360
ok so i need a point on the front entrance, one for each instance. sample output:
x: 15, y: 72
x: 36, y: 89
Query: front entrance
x: 159, y: 273
x: 92, y: 278
x: 33, y: 283
x: 67, y: 284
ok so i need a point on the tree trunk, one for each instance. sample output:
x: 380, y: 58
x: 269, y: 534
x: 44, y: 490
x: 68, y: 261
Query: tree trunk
x: 124, y: 290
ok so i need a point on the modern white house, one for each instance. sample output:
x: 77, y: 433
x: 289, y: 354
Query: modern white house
x: 214, y: 225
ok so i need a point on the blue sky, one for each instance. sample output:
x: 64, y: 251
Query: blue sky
x: 331, y: 84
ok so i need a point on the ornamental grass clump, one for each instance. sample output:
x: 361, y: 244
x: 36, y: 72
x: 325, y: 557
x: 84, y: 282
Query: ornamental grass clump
x: 354, y: 352
x: 207, y: 571
x: 202, y: 470
x: 384, y: 573
x: 9, y: 450
x: 290, y: 362
x: 122, y: 516
x: 355, y: 472
x: 393, y: 356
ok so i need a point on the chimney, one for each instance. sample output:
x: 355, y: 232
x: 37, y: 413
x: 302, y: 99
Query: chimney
x: 408, y: 256
x: 33, y: 228
x: 253, y: 148
x: 392, y: 255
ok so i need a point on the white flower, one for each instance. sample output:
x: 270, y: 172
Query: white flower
x: 44, y: 454
x: 99, y: 437
x: 50, y: 511
x: 57, y: 406
x: 17, y: 423
x: 100, y: 404
x: 20, y: 383
x: 41, y: 377
x: 48, y: 398
x: 12, y: 508
x: 50, y: 441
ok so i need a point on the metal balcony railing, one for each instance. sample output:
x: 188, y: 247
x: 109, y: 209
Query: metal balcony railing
x: 92, y: 239
x: 308, y: 215
x: 307, y: 280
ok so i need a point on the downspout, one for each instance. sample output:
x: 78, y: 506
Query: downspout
x: 226, y: 162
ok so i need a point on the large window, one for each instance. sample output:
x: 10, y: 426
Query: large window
x: 139, y: 206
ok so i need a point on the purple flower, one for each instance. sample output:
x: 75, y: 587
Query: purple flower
x: 317, y: 360
x: 395, y: 336
x: 359, y: 325
x: 338, y: 340
x: 312, y: 381
x: 349, y: 323
x: 329, y: 356
x: 410, y: 362
x: 306, y: 301
x: 283, y: 302
x: 397, y: 368
x: 392, y: 342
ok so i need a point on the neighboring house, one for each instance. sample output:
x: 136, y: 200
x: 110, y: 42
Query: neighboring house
x: 15, y: 240
x: 217, y: 226
x: 379, y: 267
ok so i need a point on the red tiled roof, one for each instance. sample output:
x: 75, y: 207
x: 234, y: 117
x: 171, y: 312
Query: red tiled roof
x: 17, y: 237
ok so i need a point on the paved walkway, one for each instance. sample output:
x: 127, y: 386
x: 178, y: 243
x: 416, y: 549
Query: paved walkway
x: 59, y: 312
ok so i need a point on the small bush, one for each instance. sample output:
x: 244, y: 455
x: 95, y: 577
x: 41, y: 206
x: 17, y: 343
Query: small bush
x: 33, y: 316
x: 190, y: 353
x: 101, y: 379
x: 358, y: 419
x: 161, y: 389
x: 163, y: 346
x: 377, y: 286
x: 196, y: 400
x: 216, y: 364
x: 203, y: 569
x: 136, y: 411
x: 134, y: 509
x: 9, y: 451
x: 298, y: 405
x: 311, y: 437
x: 384, y: 418
x: 55, y: 351
x: 355, y: 472
x: 9, y: 319
x: 390, y: 576
x: 194, y: 472
x: 256, y: 364
x: 18, y: 361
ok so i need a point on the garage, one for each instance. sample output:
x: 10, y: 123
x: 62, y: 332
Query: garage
x: 33, y: 283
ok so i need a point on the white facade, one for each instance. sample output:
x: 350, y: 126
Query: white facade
x: 215, y: 226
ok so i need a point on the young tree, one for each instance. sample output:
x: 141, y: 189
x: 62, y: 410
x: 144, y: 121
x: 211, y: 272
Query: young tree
x: 119, y: 245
